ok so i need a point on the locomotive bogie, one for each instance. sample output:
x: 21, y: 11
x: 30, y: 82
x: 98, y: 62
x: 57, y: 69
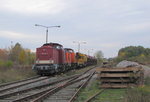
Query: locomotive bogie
x: 45, y: 69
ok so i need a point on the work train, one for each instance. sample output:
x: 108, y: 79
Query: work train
x: 52, y: 58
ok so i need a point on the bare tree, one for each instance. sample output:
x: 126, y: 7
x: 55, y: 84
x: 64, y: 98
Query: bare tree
x: 99, y: 55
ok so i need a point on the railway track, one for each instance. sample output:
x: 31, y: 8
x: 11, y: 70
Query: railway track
x: 14, y: 85
x: 30, y: 92
x: 83, y: 85
x: 94, y: 96
x: 67, y: 91
x: 15, y: 82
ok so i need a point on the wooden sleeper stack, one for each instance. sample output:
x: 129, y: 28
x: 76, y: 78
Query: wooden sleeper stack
x: 120, y: 77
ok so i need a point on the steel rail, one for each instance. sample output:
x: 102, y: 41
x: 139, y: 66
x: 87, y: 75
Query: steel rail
x: 36, y: 87
x: 43, y: 94
x: 56, y: 89
x: 81, y: 87
x: 13, y: 87
x: 89, y: 69
x: 15, y: 82
x: 92, y: 97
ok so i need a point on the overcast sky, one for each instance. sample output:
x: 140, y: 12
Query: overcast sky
x: 105, y: 25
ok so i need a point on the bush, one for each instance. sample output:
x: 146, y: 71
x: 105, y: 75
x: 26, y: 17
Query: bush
x: 1, y: 63
x: 6, y: 64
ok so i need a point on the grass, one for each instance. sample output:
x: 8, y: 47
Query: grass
x: 134, y: 94
x: 139, y: 94
x: 14, y: 74
x: 87, y: 92
x: 109, y: 95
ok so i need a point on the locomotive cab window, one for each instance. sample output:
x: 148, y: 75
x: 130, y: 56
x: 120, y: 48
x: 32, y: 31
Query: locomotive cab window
x: 70, y: 51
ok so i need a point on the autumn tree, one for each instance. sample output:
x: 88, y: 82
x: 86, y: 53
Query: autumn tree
x: 3, y: 54
x: 16, y: 55
x: 4, y: 59
x: 30, y: 56
x: 21, y: 56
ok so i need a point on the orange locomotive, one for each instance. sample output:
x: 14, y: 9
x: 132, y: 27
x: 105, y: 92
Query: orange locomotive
x: 71, y: 57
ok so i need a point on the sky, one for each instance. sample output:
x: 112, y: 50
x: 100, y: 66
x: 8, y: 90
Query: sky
x: 106, y: 25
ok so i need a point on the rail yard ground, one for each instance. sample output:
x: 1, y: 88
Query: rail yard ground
x: 139, y: 94
x: 43, y: 85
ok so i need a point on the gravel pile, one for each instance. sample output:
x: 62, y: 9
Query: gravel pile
x: 125, y: 63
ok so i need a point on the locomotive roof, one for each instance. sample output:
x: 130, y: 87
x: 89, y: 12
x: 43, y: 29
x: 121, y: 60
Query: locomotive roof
x: 68, y: 49
x: 53, y: 44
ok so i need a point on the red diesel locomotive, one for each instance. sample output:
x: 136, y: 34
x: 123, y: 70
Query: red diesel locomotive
x: 53, y: 58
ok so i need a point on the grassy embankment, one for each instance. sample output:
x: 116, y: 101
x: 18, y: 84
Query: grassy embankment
x: 14, y: 74
x: 137, y: 94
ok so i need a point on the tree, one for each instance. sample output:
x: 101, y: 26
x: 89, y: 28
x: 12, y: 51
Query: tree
x: 22, y: 57
x: 15, y: 52
x: 131, y: 51
x: 99, y: 55
x: 16, y: 55
x: 30, y: 56
x: 134, y: 53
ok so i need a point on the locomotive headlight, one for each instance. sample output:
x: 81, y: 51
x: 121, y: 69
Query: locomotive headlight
x: 37, y: 61
x: 51, y: 61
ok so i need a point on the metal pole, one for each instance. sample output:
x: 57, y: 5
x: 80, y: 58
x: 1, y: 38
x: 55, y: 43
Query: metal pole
x: 46, y: 30
x: 46, y: 35
x: 78, y: 47
x: 88, y: 52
